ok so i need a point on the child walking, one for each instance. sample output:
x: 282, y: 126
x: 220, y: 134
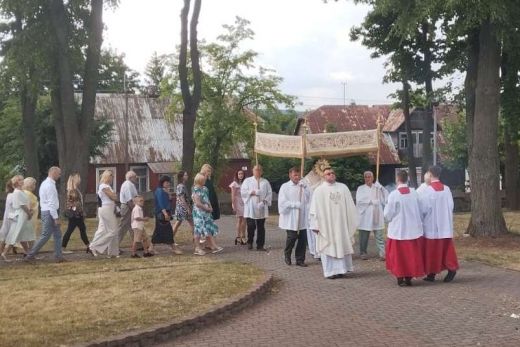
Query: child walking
x: 140, y: 235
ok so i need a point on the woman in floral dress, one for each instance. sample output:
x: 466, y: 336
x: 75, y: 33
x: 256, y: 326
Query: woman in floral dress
x: 182, y: 207
x: 204, y: 226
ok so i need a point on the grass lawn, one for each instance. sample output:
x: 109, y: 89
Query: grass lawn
x: 503, y: 251
x: 47, y: 304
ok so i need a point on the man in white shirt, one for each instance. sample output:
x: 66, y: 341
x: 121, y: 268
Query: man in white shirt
x: 293, y: 207
x: 333, y: 217
x: 439, y: 250
x: 370, y: 200
x: 126, y: 195
x: 49, y: 206
x: 405, y: 242
x: 257, y: 195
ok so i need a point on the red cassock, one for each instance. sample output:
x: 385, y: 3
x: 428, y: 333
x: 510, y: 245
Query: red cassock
x: 404, y: 258
x: 439, y: 255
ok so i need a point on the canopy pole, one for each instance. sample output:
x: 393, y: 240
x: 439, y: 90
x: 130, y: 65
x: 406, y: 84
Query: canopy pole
x: 378, y: 146
x: 302, y: 172
x: 254, y: 150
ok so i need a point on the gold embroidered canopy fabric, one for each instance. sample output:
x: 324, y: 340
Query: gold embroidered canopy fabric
x: 348, y: 143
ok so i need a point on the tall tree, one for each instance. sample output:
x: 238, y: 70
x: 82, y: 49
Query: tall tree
x: 73, y: 127
x: 191, y: 92
x: 233, y: 89
x: 155, y: 74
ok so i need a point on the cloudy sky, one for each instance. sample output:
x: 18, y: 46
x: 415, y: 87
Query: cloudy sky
x: 305, y: 41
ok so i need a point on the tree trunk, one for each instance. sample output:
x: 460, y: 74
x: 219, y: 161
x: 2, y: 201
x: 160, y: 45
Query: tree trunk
x: 428, y: 125
x: 29, y: 102
x: 191, y: 100
x: 412, y: 173
x: 486, y: 212
x: 73, y: 129
x: 512, y: 184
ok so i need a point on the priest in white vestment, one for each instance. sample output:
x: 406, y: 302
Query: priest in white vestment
x: 257, y: 195
x: 370, y: 200
x: 334, y: 219
x: 405, y: 242
x: 293, y: 206
x: 439, y: 250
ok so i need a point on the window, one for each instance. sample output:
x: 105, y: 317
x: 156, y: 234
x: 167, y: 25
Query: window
x: 143, y: 183
x: 99, y: 172
x: 403, y: 141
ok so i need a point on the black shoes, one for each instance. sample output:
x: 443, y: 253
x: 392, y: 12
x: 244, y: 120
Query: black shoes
x: 147, y: 255
x: 450, y: 276
x: 135, y: 256
x: 288, y: 260
x: 301, y: 263
x: 400, y: 281
x: 429, y: 278
x: 250, y: 246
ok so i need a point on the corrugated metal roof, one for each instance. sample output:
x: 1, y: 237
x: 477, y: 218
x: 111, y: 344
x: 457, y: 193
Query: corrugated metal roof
x: 165, y: 167
x: 152, y: 138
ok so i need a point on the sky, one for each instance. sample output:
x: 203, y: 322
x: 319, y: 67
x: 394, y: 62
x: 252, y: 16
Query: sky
x: 305, y: 41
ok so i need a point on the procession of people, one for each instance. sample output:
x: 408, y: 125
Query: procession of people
x: 324, y: 219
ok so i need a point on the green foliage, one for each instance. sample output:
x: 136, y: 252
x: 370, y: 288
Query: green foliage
x: 112, y: 71
x: 455, y: 150
x: 155, y: 74
x: 350, y: 170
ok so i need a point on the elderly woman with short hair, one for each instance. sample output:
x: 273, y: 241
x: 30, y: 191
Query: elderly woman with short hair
x: 21, y: 227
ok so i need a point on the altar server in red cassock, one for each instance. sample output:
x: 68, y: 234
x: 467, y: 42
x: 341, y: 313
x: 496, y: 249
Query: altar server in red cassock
x: 405, y: 242
x: 439, y: 250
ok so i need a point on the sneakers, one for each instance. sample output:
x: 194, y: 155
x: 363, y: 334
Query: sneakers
x: 177, y: 251
x: 217, y: 250
x: 199, y: 251
x: 65, y: 251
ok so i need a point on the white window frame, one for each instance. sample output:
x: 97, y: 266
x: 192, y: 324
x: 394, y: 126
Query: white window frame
x: 114, y: 176
x: 147, y: 188
x: 403, y: 137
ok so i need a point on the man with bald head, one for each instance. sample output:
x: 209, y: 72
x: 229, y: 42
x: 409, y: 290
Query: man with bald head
x: 257, y: 195
x: 49, y: 206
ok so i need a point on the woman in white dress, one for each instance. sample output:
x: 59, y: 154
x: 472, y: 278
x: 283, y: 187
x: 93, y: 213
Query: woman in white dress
x: 106, y: 238
x: 29, y: 185
x: 21, y: 225
x: 8, y: 214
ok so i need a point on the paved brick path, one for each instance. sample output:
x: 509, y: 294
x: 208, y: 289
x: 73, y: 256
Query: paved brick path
x: 367, y: 308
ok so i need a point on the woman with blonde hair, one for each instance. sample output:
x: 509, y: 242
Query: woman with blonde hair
x: 21, y: 226
x: 106, y: 238
x: 204, y: 226
x: 74, y: 212
x: 8, y: 214
x: 29, y: 185
x: 207, y: 171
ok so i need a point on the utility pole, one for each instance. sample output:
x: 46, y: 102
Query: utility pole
x: 127, y: 164
x: 344, y: 93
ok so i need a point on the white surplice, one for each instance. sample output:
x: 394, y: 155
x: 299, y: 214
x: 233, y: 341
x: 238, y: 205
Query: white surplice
x: 334, y: 215
x: 403, y: 212
x: 438, y: 212
x: 370, y: 202
x: 256, y: 206
x: 422, y: 188
x: 293, y: 206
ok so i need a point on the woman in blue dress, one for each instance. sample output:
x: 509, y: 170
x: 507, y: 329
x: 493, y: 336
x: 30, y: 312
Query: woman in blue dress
x: 163, y: 232
x: 204, y: 226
